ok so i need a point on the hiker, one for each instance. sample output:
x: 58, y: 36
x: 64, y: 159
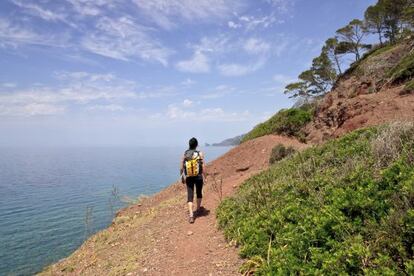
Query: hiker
x: 192, y: 174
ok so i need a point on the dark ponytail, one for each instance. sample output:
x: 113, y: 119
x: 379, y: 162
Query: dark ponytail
x: 193, y: 143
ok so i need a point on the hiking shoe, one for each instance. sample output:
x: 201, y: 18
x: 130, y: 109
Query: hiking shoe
x: 199, y: 211
x: 191, y: 219
x: 196, y: 213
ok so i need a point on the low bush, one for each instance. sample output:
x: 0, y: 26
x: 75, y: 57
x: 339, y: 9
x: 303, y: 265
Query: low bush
x: 287, y: 122
x: 355, y: 67
x: 279, y: 152
x: 346, y: 207
x: 404, y: 70
x: 409, y: 88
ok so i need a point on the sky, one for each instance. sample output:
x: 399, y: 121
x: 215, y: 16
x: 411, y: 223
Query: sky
x: 153, y: 72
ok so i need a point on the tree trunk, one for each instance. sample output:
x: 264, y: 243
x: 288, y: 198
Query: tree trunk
x: 357, y: 55
x: 380, y: 36
x: 338, y: 65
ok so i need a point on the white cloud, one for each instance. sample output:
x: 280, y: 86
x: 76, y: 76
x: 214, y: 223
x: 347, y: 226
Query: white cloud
x: 85, y: 76
x: 111, y: 32
x: 15, y: 35
x: 279, y: 10
x: 199, y: 63
x: 256, y: 46
x: 123, y: 39
x: 157, y: 92
x: 88, y: 90
x: 215, y: 114
x: 215, y: 44
x: 281, y: 44
x: 219, y: 92
x: 283, y: 79
x: 92, y: 7
x: 187, y: 103
x: 220, y: 48
x: 283, y: 6
x: 108, y: 107
x: 41, y: 12
x: 233, y: 25
x: 8, y: 85
x: 236, y: 70
x: 251, y: 22
x: 76, y: 88
x: 166, y: 13
x: 188, y: 82
x: 217, y: 47
x: 31, y: 109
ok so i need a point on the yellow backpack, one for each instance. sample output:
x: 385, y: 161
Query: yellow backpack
x: 192, y: 163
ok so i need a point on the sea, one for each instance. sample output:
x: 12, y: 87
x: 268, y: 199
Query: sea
x: 53, y: 199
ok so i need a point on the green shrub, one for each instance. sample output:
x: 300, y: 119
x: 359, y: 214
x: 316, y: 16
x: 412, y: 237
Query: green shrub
x: 287, y: 122
x: 404, y: 70
x: 279, y: 152
x: 355, y: 67
x: 408, y: 88
x: 346, y: 207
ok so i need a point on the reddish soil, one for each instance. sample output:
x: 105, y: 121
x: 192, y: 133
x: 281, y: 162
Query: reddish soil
x: 340, y: 116
x: 364, y: 98
x: 154, y: 236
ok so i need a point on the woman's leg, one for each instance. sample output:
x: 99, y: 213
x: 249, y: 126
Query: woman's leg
x: 199, y: 191
x: 190, y: 196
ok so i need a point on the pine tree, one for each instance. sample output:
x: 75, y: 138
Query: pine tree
x: 318, y: 80
x: 351, y: 38
x: 331, y: 50
x: 408, y: 14
x: 375, y: 20
x: 394, y: 16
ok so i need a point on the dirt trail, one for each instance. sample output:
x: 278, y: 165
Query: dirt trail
x: 155, y: 238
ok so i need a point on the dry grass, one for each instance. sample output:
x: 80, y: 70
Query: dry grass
x: 387, y: 146
x: 279, y: 152
x: 217, y: 187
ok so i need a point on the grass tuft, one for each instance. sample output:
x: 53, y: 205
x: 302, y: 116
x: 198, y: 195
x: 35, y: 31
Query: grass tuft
x: 404, y: 70
x: 279, y: 152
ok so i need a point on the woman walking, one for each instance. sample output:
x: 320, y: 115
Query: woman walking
x: 193, y: 174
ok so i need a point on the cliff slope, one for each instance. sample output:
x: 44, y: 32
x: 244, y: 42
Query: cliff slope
x: 368, y: 94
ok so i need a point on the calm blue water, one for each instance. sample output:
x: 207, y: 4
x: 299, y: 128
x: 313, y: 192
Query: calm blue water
x: 45, y: 194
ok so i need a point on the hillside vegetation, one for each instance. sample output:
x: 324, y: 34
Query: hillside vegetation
x: 369, y: 92
x: 390, y: 20
x: 385, y: 64
x: 346, y: 207
x: 378, y: 72
x: 286, y: 122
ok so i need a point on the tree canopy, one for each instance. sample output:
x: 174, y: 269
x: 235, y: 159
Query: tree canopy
x: 390, y: 20
x: 315, y: 81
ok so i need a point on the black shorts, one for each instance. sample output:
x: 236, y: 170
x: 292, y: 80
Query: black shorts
x: 196, y: 181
